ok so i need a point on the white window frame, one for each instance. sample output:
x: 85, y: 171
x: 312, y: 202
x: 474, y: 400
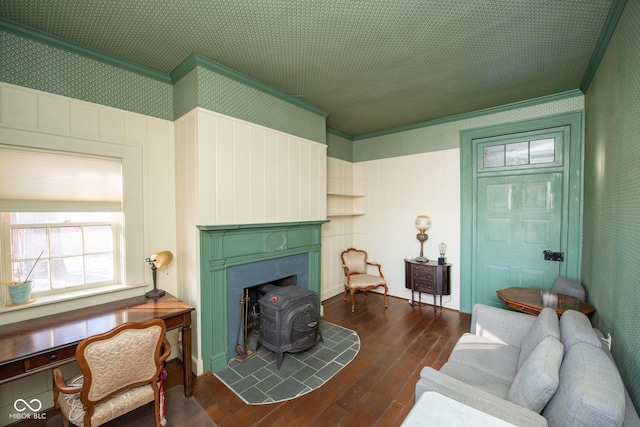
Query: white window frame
x: 132, y: 268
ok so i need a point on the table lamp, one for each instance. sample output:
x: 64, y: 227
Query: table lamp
x: 442, y: 248
x: 423, y: 223
x: 157, y: 260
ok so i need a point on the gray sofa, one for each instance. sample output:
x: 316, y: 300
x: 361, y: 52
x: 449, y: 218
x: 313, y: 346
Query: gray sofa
x: 534, y: 371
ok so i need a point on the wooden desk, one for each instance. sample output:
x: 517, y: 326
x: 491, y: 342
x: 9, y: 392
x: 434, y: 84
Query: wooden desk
x: 533, y: 300
x: 37, y: 345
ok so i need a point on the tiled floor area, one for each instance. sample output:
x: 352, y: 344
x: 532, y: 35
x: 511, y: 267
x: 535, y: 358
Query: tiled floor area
x: 258, y: 380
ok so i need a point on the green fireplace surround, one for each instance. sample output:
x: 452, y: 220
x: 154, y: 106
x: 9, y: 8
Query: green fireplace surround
x: 225, y: 246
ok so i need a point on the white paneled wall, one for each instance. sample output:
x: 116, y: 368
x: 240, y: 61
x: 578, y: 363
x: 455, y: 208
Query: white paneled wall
x: 337, y: 235
x: 251, y: 174
x: 397, y: 190
x: 33, y: 118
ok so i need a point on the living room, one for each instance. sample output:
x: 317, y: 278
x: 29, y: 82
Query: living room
x: 54, y: 93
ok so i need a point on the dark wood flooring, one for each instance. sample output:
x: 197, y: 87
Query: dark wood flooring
x: 376, y: 389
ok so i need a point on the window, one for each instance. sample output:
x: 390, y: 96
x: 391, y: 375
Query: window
x: 73, y: 250
x: 66, y: 208
x: 519, y: 153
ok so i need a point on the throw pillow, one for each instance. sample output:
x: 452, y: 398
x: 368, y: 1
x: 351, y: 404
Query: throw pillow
x: 575, y: 327
x: 546, y: 325
x: 538, y: 378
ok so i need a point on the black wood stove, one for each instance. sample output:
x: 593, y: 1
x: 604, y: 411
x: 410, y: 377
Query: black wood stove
x: 290, y: 320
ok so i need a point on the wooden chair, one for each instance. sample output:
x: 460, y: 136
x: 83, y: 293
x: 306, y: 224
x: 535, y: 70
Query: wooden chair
x: 356, y: 276
x: 120, y: 373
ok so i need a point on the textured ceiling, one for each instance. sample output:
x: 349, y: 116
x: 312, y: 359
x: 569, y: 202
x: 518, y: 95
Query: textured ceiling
x: 373, y: 64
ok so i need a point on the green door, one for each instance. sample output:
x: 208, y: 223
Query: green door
x: 521, y: 194
x: 519, y: 216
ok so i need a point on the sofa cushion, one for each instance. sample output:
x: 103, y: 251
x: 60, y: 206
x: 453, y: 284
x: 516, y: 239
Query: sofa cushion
x: 591, y: 392
x: 486, y: 355
x: 537, y: 379
x: 546, y: 325
x: 575, y: 327
x: 482, y: 380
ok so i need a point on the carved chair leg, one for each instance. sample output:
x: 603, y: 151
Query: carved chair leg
x: 344, y: 297
x: 385, y: 296
x: 353, y: 302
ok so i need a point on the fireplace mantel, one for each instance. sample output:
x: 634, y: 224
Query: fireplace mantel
x: 224, y: 246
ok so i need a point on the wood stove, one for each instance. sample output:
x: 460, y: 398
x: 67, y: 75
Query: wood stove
x: 289, y: 320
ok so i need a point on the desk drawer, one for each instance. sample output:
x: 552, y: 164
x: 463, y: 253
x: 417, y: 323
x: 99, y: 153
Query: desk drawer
x: 425, y: 286
x: 424, y: 269
x: 49, y: 358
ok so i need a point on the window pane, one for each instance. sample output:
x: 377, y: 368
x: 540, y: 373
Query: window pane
x: 493, y: 156
x: 99, y: 268
x: 66, y: 272
x: 543, y: 151
x: 98, y: 239
x: 29, y: 217
x: 39, y: 275
x: 517, y: 154
x: 66, y: 241
x: 28, y: 242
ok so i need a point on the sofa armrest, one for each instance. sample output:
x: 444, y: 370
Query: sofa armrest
x: 508, y: 327
x: 433, y: 380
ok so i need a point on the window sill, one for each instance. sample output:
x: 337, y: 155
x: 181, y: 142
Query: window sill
x: 53, y: 304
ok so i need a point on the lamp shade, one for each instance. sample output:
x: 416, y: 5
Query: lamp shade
x: 161, y: 258
x: 423, y: 223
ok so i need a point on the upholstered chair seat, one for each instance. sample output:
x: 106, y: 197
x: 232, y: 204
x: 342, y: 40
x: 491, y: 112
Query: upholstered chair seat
x: 120, y: 372
x: 358, y: 278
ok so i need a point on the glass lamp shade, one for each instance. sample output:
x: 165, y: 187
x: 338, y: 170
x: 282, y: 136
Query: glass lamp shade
x: 423, y: 223
x: 443, y: 249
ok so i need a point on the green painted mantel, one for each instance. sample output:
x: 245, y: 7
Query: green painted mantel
x: 224, y: 246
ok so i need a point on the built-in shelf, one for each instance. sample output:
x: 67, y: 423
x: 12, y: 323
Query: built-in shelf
x: 343, y: 205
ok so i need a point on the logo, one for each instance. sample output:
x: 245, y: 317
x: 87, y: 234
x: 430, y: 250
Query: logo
x: 33, y: 405
x: 21, y: 405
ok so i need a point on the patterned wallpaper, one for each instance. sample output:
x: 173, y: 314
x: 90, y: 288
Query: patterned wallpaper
x: 611, y: 255
x: 28, y: 63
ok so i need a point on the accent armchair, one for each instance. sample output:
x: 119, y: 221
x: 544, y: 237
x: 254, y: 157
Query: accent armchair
x: 356, y: 276
x: 120, y: 370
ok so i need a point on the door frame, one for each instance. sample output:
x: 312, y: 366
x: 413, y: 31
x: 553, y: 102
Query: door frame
x: 573, y: 184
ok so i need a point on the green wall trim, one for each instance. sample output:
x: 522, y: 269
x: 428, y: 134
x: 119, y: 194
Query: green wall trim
x: 195, y: 59
x: 223, y: 246
x: 79, y: 49
x: 574, y: 185
x: 472, y: 114
x: 341, y: 134
x: 615, y: 12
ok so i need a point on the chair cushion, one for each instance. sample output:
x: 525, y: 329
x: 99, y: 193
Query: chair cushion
x: 575, y: 327
x: 591, y: 392
x: 545, y: 325
x: 118, y: 405
x: 476, y: 378
x: 364, y: 280
x: 487, y: 355
x: 537, y: 380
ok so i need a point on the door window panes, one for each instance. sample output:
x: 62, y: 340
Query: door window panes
x: 519, y: 153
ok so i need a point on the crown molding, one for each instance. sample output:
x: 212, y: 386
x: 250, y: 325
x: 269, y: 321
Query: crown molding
x: 339, y: 133
x: 470, y: 115
x: 198, y: 60
x: 615, y: 12
x: 79, y: 49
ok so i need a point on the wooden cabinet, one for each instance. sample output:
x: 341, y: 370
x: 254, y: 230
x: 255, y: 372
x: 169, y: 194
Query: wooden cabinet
x: 427, y: 277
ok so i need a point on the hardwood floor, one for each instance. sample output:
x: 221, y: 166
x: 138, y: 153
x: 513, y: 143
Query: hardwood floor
x: 376, y: 389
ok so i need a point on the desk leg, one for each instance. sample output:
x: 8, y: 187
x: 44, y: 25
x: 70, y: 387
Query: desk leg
x: 186, y: 355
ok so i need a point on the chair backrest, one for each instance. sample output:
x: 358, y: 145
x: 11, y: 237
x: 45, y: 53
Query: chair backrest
x: 125, y: 357
x: 355, y: 260
x: 563, y: 285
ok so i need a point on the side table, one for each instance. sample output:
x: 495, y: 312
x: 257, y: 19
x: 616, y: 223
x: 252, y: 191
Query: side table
x: 428, y: 277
